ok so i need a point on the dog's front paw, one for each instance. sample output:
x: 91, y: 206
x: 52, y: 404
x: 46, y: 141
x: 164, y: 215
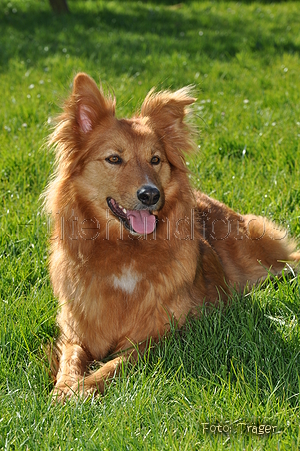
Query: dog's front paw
x: 63, y: 391
x: 82, y: 389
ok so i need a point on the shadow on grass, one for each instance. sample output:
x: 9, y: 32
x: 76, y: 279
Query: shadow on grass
x: 107, y: 35
x: 249, y: 343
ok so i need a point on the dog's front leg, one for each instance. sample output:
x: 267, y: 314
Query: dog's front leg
x: 96, y: 381
x: 73, y: 363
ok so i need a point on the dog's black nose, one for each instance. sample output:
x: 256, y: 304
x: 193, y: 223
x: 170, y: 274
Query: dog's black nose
x: 148, y: 195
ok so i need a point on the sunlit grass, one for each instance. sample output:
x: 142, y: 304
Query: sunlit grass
x: 238, y: 365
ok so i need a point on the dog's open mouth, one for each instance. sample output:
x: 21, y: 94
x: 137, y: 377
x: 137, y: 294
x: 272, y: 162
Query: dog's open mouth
x: 138, y: 221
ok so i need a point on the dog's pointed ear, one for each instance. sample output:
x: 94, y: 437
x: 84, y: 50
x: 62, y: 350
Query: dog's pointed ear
x: 89, y: 103
x: 84, y: 110
x: 165, y: 111
x: 166, y: 108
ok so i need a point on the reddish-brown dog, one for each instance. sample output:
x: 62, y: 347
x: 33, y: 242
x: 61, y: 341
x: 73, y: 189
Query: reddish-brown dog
x: 133, y: 248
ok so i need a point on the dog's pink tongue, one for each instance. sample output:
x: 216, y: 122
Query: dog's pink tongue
x: 141, y: 221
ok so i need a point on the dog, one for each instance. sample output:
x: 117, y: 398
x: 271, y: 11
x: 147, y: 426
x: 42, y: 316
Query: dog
x: 133, y: 248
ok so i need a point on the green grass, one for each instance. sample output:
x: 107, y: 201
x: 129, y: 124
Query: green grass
x: 235, y: 368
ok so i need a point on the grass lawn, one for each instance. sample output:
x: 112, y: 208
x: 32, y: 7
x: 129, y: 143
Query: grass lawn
x: 232, y: 379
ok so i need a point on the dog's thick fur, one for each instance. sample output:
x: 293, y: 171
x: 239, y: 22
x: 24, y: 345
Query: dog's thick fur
x: 119, y: 285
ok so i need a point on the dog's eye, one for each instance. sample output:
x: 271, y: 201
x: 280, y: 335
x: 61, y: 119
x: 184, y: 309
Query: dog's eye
x: 114, y: 159
x: 155, y: 160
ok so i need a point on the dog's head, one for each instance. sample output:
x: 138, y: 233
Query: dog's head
x: 127, y: 165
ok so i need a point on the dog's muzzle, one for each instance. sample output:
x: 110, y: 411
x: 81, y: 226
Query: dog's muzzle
x: 149, y: 195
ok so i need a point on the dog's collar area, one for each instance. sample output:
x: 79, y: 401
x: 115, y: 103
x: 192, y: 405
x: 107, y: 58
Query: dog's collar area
x: 137, y: 221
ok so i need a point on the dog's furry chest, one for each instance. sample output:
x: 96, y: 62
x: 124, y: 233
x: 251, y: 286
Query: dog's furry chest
x: 127, y: 281
x: 118, y: 302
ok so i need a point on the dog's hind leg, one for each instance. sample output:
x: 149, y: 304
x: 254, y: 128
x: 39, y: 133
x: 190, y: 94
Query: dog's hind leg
x: 258, y: 248
x: 269, y: 243
x: 248, y: 246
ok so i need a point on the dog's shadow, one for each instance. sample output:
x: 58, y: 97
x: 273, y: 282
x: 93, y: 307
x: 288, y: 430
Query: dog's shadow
x: 253, y: 340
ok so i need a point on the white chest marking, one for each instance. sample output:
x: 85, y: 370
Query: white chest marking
x: 127, y: 281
